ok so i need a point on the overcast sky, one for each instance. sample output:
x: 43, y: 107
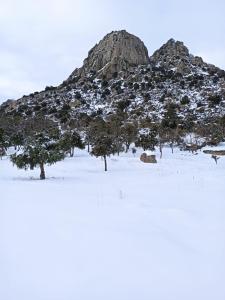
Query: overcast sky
x: 43, y: 41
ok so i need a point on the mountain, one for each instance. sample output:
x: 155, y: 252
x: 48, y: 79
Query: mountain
x: 118, y: 51
x: 174, y: 55
x: 118, y: 75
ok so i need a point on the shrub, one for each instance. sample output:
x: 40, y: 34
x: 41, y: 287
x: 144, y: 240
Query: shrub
x: 185, y: 100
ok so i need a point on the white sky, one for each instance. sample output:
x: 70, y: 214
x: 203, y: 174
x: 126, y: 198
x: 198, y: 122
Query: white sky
x: 43, y: 41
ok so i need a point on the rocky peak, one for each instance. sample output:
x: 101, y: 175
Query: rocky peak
x: 174, y: 55
x: 176, y: 48
x: 117, y: 51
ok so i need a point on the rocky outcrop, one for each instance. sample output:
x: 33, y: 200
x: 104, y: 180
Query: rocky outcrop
x: 174, y: 55
x: 150, y: 159
x: 117, y: 51
x: 143, y: 90
x: 215, y: 152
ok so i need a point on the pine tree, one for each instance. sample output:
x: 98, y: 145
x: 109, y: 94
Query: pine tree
x: 102, y: 141
x: 115, y: 131
x: 3, y: 142
x: 146, y: 139
x: 129, y: 134
x: 170, y: 118
x: 17, y: 140
x: 71, y: 140
x: 40, y: 147
x: 103, y: 146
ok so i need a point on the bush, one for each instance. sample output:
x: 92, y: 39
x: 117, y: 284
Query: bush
x: 123, y: 104
x: 214, y: 100
x: 104, y: 83
x: 78, y: 95
x: 136, y: 86
x: 50, y: 88
x: 185, y: 100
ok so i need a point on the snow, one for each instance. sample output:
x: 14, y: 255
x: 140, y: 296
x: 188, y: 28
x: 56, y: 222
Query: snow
x: 221, y: 146
x: 148, y: 152
x: 138, y: 231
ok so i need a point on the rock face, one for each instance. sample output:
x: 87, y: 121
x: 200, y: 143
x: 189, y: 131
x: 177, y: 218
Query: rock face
x: 144, y: 90
x: 175, y: 55
x: 150, y: 159
x: 118, y: 51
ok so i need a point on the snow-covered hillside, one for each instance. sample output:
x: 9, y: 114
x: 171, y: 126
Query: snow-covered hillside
x: 137, y: 232
x: 119, y: 75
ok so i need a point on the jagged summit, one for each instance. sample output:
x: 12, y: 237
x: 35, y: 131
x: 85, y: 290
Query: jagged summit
x: 117, y: 51
x: 143, y: 87
x: 175, y: 55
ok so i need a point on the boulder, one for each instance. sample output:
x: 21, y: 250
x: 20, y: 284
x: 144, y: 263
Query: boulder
x: 150, y: 159
x: 215, y: 152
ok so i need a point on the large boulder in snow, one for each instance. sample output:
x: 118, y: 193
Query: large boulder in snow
x: 215, y: 152
x: 148, y: 158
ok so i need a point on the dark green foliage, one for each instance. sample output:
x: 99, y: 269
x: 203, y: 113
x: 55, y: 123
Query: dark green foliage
x: 147, y: 140
x: 185, y: 100
x: 50, y: 88
x: 52, y: 110
x: 105, y: 83
x: 64, y: 113
x: 114, y: 130
x: 123, y: 104
x: 130, y: 85
x: 136, y: 86
x: 214, y: 100
x: 222, y: 125
x: 103, y: 146
x: 71, y: 140
x: 3, y: 142
x: 102, y: 140
x: 105, y: 93
x: 143, y: 86
x: 115, y: 75
x: 17, y: 139
x: 37, y: 107
x: 129, y: 134
x: 41, y: 146
x: 170, y: 118
x: 78, y: 95
x: 22, y: 108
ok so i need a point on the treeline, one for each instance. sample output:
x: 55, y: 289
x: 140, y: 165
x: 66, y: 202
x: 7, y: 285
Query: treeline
x: 39, y: 141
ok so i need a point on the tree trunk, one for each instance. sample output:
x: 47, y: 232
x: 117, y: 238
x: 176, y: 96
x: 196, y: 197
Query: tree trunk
x: 71, y: 152
x: 105, y: 161
x: 160, y: 149
x: 88, y: 147
x: 171, y: 145
x: 42, y: 175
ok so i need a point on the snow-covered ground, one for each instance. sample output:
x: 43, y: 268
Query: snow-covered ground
x: 137, y: 232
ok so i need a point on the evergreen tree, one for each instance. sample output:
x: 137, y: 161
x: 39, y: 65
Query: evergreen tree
x: 71, y: 140
x: 170, y: 118
x: 129, y: 134
x: 103, y: 146
x: 115, y: 130
x: 146, y: 139
x: 102, y: 141
x: 17, y: 140
x: 3, y: 143
x: 40, y: 147
x: 222, y: 125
